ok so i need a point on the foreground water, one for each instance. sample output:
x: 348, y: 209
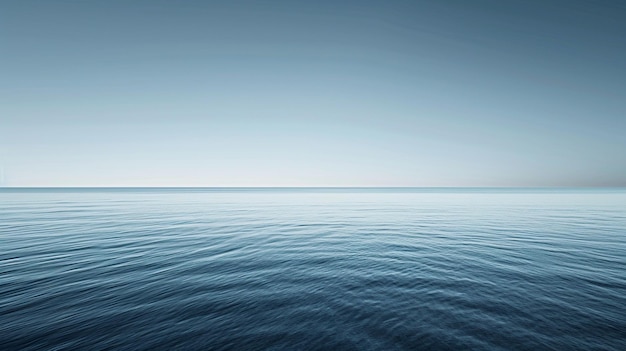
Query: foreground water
x: 306, y: 269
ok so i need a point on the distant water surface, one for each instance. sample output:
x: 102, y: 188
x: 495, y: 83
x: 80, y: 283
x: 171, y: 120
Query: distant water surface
x: 312, y: 269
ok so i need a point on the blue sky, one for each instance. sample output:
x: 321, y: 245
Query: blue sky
x: 325, y: 93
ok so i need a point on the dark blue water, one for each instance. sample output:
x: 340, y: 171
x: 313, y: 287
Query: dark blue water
x: 305, y: 269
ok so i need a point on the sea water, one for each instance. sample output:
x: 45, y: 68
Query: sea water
x: 312, y: 269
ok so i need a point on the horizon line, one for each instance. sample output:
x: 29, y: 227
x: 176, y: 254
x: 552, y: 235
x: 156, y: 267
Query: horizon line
x: 316, y: 187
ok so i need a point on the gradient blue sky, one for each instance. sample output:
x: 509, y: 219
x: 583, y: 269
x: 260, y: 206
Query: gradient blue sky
x: 313, y: 93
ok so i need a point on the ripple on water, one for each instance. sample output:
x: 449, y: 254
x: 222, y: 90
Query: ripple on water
x: 305, y: 270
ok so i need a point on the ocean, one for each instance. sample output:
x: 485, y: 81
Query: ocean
x: 312, y: 269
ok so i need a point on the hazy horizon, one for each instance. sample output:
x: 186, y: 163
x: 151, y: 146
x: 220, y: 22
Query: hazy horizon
x: 295, y: 94
x: 400, y: 189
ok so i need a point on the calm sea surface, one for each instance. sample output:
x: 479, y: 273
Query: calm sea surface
x: 312, y: 269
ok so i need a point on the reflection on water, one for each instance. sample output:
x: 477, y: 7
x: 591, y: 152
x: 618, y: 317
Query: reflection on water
x: 255, y: 269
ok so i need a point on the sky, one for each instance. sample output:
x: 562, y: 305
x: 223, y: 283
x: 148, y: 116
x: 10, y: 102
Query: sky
x: 312, y: 93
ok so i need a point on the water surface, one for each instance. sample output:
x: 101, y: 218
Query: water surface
x: 313, y: 269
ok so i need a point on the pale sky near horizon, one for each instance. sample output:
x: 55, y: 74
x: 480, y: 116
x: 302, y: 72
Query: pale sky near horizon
x: 312, y: 93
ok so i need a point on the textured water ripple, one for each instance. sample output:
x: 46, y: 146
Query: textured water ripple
x: 308, y: 270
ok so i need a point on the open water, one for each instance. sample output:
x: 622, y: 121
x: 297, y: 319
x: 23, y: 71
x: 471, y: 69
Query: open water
x: 312, y: 269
